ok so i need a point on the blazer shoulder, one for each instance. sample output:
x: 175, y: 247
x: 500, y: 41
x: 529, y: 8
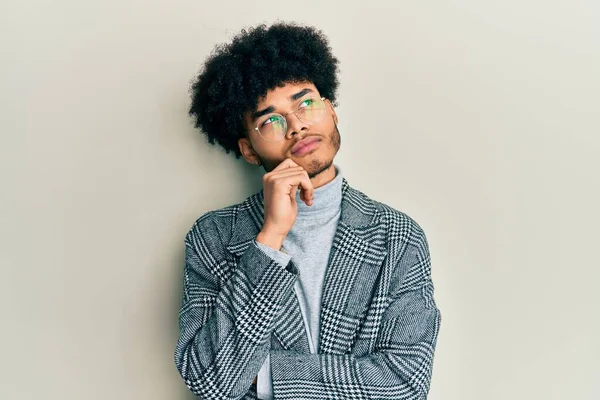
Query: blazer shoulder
x: 215, y: 223
x: 400, y: 222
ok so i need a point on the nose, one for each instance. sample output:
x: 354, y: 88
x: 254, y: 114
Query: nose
x: 294, y: 125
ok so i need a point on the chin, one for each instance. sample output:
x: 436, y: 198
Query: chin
x: 316, y: 166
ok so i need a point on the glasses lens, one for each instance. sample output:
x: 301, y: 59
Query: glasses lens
x: 272, y: 128
x: 311, y: 110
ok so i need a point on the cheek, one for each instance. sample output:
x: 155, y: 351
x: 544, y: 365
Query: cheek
x: 327, y: 128
x: 271, y: 151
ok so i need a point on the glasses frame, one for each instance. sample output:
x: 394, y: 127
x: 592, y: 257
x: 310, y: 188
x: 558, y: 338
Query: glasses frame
x: 286, y: 124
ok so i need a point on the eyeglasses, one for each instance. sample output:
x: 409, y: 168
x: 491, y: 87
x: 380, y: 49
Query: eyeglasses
x: 273, y: 127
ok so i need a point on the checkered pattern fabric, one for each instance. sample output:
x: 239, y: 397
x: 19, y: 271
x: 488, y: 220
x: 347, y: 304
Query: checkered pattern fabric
x: 379, y: 320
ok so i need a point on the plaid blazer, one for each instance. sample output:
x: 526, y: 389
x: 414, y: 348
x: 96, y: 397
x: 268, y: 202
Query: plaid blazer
x: 379, y: 321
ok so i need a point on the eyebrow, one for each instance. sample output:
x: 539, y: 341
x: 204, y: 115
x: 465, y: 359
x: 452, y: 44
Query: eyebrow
x: 270, y: 109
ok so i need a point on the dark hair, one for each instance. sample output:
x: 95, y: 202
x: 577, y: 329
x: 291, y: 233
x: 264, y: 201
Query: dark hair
x: 236, y: 75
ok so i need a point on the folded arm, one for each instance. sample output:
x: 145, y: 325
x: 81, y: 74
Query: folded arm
x: 226, y: 317
x: 401, y: 364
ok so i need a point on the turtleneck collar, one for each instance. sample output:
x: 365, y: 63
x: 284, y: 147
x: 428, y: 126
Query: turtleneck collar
x: 327, y: 200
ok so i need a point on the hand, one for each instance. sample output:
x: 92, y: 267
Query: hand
x: 280, y: 187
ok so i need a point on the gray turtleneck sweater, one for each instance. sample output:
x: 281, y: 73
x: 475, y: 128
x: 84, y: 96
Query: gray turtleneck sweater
x: 308, y: 244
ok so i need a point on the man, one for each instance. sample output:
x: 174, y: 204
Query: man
x: 308, y: 289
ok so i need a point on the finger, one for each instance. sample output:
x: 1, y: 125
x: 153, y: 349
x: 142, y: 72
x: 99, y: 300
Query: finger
x: 287, y: 163
x: 295, y: 179
x: 285, y: 174
x: 306, y: 189
x: 286, y: 170
x: 293, y: 195
x: 276, y: 175
x: 300, y: 180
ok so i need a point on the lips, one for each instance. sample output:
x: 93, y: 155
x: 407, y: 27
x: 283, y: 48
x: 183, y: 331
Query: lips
x: 303, y: 143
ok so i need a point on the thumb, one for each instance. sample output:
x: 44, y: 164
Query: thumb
x: 293, y: 194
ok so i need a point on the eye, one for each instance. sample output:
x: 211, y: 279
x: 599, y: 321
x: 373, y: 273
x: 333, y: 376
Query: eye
x: 269, y: 120
x: 306, y: 103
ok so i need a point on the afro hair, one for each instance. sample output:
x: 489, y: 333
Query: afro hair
x: 238, y: 74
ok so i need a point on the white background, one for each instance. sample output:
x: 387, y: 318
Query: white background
x: 479, y: 119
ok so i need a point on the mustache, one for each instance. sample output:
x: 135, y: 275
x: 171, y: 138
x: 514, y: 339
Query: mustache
x: 304, y: 137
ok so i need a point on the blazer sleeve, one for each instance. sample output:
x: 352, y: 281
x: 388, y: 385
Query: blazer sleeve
x: 226, y: 314
x: 401, y: 364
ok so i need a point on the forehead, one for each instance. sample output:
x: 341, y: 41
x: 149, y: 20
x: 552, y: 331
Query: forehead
x: 281, y: 95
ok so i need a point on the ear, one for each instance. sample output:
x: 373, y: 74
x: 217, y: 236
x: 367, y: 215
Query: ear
x: 248, y: 151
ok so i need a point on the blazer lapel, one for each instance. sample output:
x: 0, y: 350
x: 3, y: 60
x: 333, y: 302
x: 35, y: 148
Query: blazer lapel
x: 355, y: 261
